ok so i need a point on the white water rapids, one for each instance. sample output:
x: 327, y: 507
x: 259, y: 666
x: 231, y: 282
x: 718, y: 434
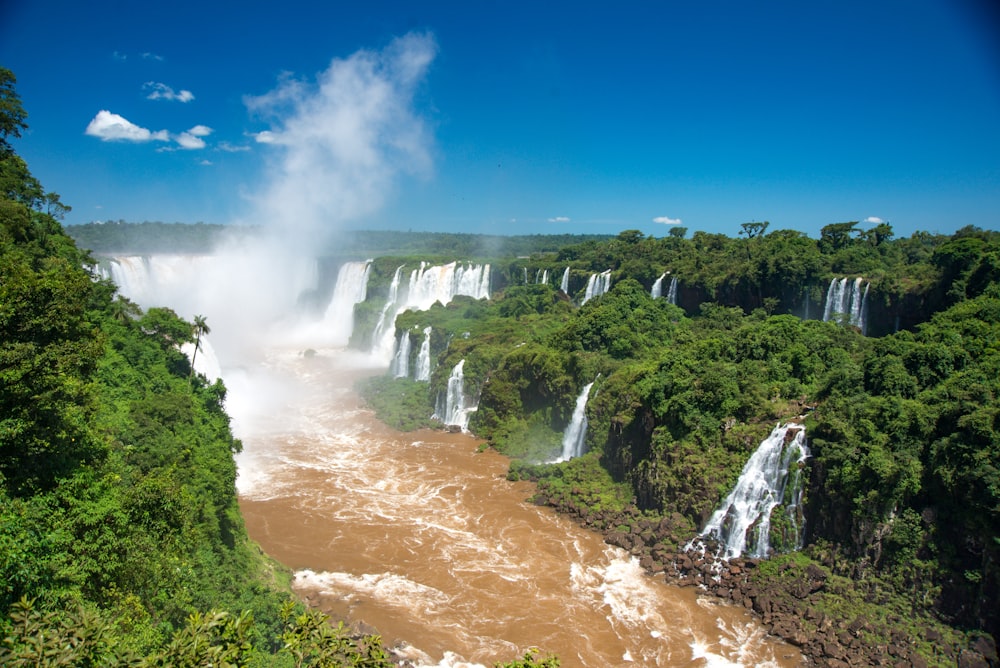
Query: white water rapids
x: 421, y: 536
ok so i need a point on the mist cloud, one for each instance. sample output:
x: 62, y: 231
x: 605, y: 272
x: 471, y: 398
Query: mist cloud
x: 341, y: 142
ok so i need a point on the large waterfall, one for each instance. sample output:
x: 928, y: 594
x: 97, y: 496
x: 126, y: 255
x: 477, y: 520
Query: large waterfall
x: 848, y: 298
x: 575, y: 436
x: 424, y: 358
x: 772, y: 476
x: 597, y: 285
x: 564, y: 283
x: 383, y: 327
x: 453, y: 412
x: 351, y: 288
x: 427, y: 285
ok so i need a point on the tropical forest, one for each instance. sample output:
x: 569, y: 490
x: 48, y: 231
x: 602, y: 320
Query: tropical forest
x: 632, y: 380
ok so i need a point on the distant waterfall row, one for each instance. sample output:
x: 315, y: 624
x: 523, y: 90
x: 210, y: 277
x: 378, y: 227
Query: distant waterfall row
x: 848, y: 300
x: 771, y: 477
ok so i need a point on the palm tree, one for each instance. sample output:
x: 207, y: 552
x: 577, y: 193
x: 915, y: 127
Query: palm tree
x: 200, y: 329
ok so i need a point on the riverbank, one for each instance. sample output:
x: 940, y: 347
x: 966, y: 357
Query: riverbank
x: 835, y: 621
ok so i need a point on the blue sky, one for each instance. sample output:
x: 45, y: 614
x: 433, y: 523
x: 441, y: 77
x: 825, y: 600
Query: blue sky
x: 514, y: 117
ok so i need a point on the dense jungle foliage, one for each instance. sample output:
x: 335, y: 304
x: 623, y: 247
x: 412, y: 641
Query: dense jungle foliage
x: 121, y: 542
x: 903, y: 493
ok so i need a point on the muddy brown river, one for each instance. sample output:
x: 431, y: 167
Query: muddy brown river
x: 421, y: 536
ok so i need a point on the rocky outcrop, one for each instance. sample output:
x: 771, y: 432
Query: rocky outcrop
x: 788, y: 604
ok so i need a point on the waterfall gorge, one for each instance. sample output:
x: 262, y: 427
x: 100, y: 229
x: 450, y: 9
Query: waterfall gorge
x: 771, y: 477
x: 419, y: 534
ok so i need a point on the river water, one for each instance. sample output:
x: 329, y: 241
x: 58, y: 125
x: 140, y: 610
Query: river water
x: 421, y: 536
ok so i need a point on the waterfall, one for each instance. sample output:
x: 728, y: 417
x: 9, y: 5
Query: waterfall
x: 205, y: 362
x: 657, y: 290
x: 564, y: 283
x: 351, y: 288
x: 575, y: 435
x: 846, y: 298
x: 453, y: 412
x: 597, y: 285
x: 525, y: 275
x: 400, y: 367
x: 745, y: 515
x: 541, y: 276
x: 427, y: 285
x: 382, y: 333
x: 672, y: 291
x: 424, y: 357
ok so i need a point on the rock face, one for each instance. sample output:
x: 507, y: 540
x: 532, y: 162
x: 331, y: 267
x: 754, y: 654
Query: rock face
x: 788, y: 606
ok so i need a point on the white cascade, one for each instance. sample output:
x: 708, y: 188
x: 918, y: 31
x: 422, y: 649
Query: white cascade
x: 742, y: 523
x: 400, y: 367
x: 575, y: 435
x: 564, y: 283
x: 597, y: 285
x: 427, y: 285
x: 382, y: 333
x: 351, y: 288
x: 657, y: 291
x: 847, y: 298
x: 525, y: 275
x: 672, y: 291
x: 424, y: 358
x: 454, y: 412
x: 542, y: 276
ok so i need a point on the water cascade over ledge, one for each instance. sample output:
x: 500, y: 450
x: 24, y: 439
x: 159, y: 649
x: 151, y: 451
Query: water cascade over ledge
x: 575, y: 436
x: 848, y: 299
x: 597, y: 285
x: 424, y: 358
x: 772, y: 476
x: 453, y: 411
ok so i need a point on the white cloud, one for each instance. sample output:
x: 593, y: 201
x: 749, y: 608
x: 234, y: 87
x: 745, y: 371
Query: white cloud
x: 201, y: 131
x: 559, y: 219
x: 205, y: 163
x: 164, y: 92
x: 340, y: 144
x: 186, y: 140
x: 111, y: 127
x: 152, y: 56
x: 667, y: 220
x: 874, y: 220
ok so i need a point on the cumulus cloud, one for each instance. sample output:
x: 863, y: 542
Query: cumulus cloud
x: 340, y: 143
x: 559, y: 219
x: 874, y: 220
x: 107, y: 126
x: 667, y: 220
x: 161, y: 91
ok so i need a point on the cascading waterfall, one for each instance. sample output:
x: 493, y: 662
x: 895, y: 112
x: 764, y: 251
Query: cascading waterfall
x: 564, y: 283
x: 575, y: 436
x: 847, y: 298
x: 453, y: 412
x: 772, y: 472
x: 597, y: 285
x: 351, y: 288
x: 424, y: 357
x: 427, y: 285
x: 384, y: 318
x: 541, y: 276
x: 525, y: 275
x: 657, y: 291
x: 400, y: 367
x: 672, y: 291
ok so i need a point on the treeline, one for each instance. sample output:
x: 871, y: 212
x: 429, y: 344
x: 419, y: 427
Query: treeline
x: 903, y: 485
x: 121, y: 237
